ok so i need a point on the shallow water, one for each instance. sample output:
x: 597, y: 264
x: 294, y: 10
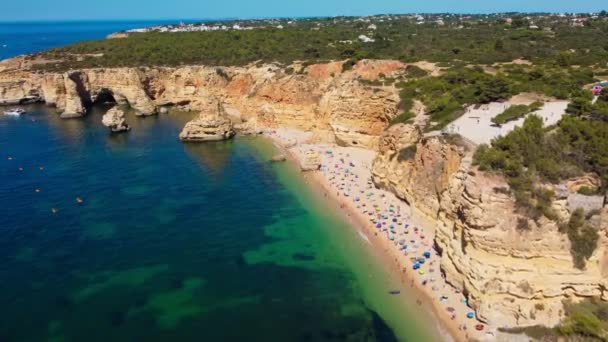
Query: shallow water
x: 189, y: 242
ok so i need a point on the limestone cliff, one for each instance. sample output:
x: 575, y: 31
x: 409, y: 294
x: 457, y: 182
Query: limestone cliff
x: 512, y: 276
x: 320, y: 98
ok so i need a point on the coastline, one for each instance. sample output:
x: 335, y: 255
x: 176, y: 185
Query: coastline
x: 292, y: 145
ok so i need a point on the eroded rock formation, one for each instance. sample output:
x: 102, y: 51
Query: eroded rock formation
x: 211, y: 125
x: 334, y: 105
x: 515, y: 271
x: 115, y: 120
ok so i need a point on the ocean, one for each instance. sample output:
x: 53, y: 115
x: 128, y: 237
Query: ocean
x: 173, y: 241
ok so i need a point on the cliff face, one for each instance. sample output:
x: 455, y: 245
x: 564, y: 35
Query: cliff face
x: 511, y: 276
x: 317, y: 97
x: 416, y: 170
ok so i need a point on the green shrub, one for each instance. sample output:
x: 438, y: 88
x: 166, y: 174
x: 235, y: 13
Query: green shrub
x: 584, y: 190
x: 583, y: 238
x: 587, y: 319
x: 402, y: 118
x: 348, y: 65
x: 510, y: 114
x: 413, y: 71
x: 407, y: 153
x: 222, y: 73
x: 516, y: 112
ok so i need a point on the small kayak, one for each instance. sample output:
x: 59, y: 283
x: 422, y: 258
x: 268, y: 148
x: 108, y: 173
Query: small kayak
x: 394, y: 292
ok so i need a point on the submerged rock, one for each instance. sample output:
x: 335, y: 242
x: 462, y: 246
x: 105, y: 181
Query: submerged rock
x: 212, y: 125
x: 115, y: 120
x: 279, y: 158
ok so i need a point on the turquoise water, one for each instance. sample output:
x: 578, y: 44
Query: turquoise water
x: 177, y: 242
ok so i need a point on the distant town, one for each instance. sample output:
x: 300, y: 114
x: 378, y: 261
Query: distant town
x: 531, y: 21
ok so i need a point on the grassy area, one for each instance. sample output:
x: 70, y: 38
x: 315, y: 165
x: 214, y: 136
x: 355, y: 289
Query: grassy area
x: 516, y: 112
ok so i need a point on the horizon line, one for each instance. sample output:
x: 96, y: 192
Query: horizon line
x: 47, y: 20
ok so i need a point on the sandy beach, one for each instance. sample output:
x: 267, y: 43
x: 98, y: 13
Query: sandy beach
x: 404, y: 237
x: 476, y: 124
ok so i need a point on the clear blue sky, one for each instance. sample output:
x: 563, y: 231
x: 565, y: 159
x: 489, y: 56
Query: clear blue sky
x: 17, y: 10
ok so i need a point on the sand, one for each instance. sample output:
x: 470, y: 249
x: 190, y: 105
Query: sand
x: 476, y: 124
x: 403, y: 236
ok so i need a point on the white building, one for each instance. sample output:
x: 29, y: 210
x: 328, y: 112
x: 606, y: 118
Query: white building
x: 365, y: 39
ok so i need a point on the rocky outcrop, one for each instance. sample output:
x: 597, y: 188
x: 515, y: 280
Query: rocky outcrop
x: 76, y: 97
x: 359, y: 115
x: 514, y: 271
x: 416, y: 170
x: 278, y: 158
x: 311, y: 161
x: 15, y: 93
x: 334, y: 105
x: 115, y: 120
x: 125, y: 85
x: 210, y: 125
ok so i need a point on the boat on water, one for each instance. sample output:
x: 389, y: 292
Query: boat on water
x: 14, y: 112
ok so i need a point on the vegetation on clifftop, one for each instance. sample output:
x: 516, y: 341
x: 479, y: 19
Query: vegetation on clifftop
x: 531, y: 155
x: 457, y: 40
x: 446, y: 96
x: 516, y: 112
x: 564, y: 57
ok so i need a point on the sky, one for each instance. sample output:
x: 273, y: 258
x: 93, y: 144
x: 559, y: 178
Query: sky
x: 12, y: 10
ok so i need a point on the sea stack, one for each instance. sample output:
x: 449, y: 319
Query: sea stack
x: 211, y: 125
x: 115, y: 120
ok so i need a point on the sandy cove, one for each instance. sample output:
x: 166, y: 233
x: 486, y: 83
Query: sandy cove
x: 381, y: 218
